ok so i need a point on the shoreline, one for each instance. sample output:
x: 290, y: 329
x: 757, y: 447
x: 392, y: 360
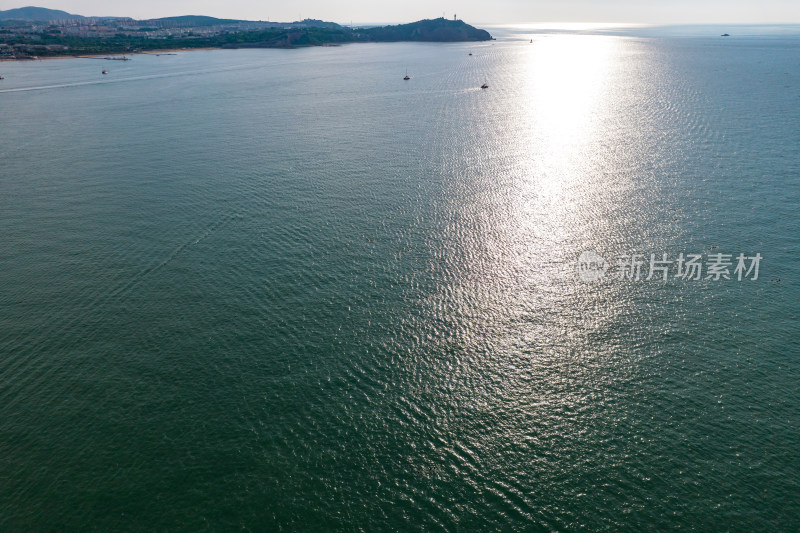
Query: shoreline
x: 103, y: 56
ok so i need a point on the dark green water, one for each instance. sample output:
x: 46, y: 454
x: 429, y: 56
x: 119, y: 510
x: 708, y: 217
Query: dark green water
x: 286, y: 290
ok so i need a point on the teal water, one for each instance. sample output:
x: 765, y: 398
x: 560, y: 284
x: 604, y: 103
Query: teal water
x: 286, y: 290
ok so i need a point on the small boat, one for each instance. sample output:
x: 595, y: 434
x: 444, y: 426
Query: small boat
x: 725, y: 35
x: 406, y: 77
x: 2, y: 77
x: 470, y: 53
x: 485, y: 86
x: 105, y: 71
x: 531, y: 40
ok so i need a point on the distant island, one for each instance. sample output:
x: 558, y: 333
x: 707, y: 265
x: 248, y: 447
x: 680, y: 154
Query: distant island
x: 33, y: 32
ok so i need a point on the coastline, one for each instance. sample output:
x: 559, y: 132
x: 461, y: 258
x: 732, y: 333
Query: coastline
x: 103, y: 56
x: 50, y: 43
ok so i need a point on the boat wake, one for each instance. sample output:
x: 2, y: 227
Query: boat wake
x: 124, y: 80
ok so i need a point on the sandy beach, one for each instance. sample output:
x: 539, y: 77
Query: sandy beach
x: 109, y: 56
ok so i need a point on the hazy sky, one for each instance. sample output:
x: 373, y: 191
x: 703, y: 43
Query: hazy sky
x: 473, y: 11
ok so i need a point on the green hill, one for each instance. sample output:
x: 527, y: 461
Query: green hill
x: 36, y: 14
x: 435, y: 30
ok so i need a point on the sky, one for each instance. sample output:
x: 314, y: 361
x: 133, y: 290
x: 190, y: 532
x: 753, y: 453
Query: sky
x: 471, y: 11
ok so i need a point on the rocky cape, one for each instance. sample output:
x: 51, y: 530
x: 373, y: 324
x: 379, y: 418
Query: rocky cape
x: 430, y: 30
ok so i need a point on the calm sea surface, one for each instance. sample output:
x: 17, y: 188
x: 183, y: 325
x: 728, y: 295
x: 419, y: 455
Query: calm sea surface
x: 287, y: 290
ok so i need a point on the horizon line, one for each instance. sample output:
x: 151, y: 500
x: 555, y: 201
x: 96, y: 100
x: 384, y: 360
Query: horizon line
x: 606, y: 24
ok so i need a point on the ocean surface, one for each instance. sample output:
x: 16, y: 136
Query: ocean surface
x: 285, y: 290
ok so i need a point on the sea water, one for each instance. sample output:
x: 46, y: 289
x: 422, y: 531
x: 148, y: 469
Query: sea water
x: 288, y: 290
